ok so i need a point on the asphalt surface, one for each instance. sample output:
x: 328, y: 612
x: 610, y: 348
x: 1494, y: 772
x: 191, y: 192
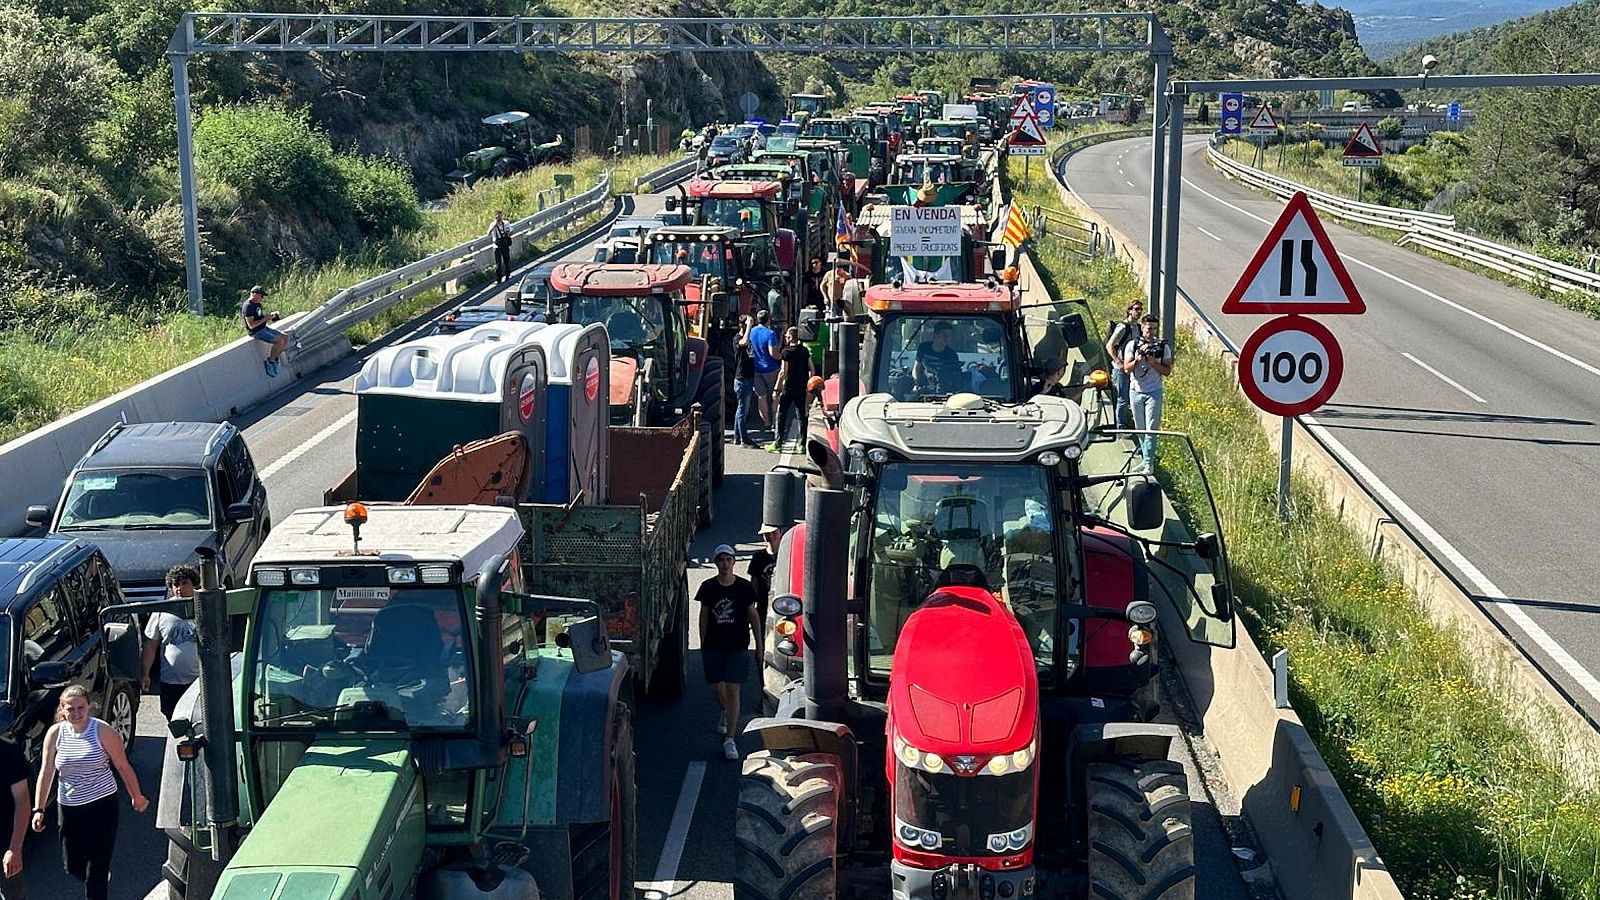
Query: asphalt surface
x: 303, y: 441
x: 1472, y: 406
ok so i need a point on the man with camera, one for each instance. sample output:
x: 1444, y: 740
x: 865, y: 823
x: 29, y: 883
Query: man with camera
x: 1147, y: 360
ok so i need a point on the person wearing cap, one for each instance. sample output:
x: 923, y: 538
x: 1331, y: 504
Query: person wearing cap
x: 763, y: 562
x: 256, y: 324
x: 728, y: 621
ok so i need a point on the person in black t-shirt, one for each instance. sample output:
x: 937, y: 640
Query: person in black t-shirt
x: 762, y: 564
x: 727, y: 623
x: 794, y: 378
x: 938, y: 367
x: 15, y: 795
x: 257, y: 322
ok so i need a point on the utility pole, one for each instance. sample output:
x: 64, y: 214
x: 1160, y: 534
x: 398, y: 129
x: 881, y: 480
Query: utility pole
x: 1159, y: 119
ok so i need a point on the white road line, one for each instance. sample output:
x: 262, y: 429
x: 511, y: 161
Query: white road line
x: 677, y: 835
x: 1209, y: 235
x: 1493, y: 323
x: 284, y: 460
x: 1444, y: 378
x: 1129, y: 184
x: 1489, y: 591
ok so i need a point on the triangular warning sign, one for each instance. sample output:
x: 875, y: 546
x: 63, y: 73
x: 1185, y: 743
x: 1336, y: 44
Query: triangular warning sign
x: 1029, y: 132
x: 1263, y: 120
x: 1023, y: 109
x: 1364, y: 143
x: 1297, y: 270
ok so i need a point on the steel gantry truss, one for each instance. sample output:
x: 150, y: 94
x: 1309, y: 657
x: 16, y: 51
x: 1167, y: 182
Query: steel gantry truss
x: 268, y: 33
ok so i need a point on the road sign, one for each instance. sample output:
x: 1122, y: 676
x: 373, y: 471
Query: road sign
x: 1022, y: 110
x: 1296, y: 270
x: 1028, y: 135
x: 924, y: 231
x: 749, y: 103
x: 1028, y: 150
x: 1364, y: 148
x: 1453, y: 111
x: 1044, y: 104
x: 1290, y: 366
x: 1263, y: 122
x: 1232, y: 118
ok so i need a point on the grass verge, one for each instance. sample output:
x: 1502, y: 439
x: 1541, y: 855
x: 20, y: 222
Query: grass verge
x: 42, y: 380
x: 1461, y: 802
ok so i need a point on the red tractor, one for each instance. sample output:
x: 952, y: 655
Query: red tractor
x: 756, y: 210
x: 964, y: 703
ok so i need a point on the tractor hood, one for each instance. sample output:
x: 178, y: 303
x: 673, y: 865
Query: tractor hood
x: 368, y: 834
x: 963, y: 683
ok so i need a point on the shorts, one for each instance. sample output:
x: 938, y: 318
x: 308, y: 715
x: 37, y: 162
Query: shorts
x: 266, y: 334
x: 766, y: 383
x: 726, y: 666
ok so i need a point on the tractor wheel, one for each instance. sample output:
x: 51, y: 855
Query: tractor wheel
x: 786, y: 829
x: 710, y: 398
x: 706, y: 514
x: 1141, y: 844
x: 603, y: 856
x: 672, y: 660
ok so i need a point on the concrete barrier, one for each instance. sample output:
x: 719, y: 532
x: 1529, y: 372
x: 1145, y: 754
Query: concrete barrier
x: 211, y: 388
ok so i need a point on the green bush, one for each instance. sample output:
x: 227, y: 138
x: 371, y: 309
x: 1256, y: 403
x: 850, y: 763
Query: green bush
x: 272, y: 155
x: 380, y: 194
x: 54, y: 90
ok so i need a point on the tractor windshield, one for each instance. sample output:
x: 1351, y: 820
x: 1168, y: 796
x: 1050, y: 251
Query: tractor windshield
x: 920, y: 171
x: 632, y: 323
x: 746, y: 214
x: 361, y: 658
x: 984, y: 524
x: 923, y: 356
x: 828, y: 128
x: 712, y: 258
x: 805, y: 104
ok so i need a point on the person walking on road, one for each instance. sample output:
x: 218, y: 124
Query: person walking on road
x: 14, y: 773
x: 744, y: 384
x: 1148, y: 361
x: 764, y: 351
x: 792, y: 391
x: 727, y: 624
x: 174, y: 639
x: 257, y: 323
x: 81, y: 751
x: 1122, y: 334
x: 500, y: 233
x: 763, y: 563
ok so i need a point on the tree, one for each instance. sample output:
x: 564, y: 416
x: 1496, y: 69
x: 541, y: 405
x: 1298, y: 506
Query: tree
x: 55, y: 91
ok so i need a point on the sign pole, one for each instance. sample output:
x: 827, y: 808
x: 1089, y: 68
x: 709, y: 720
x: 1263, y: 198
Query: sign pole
x: 1285, y: 448
x: 1361, y: 183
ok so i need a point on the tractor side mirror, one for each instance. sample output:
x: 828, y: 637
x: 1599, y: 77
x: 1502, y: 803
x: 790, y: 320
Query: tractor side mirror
x: 1205, y: 546
x: 1145, y: 509
x: 997, y: 259
x: 1074, y: 330
x: 591, y: 648
x: 670, y: 204
x: 1222, y: 602
x: 39, y: 516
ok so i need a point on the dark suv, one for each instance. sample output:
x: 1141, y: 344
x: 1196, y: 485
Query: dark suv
x: 51, y: 593
x: 149, y: 494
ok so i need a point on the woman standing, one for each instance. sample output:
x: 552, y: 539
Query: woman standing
x: 82, y: 750
x: 793, y: 391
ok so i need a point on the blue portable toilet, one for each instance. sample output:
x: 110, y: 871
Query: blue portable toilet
x: 577, y: 457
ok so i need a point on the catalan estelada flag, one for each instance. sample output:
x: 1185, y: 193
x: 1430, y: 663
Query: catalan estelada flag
x: 1016, y: 229
x: 841, y: 228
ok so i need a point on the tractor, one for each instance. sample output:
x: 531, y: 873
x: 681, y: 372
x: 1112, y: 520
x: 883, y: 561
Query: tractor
x: 965, y: 701
x: 511, y: 150
x: 956, y: 179
x: 403, y: 710
x: 757, y: 210
x: 804, y: 106
x: 660, y: 368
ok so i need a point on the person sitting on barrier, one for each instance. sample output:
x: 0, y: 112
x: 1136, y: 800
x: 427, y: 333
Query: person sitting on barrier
x: 256, y: 324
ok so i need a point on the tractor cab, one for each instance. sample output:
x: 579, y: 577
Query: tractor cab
x: 874, y: 225
x: 952, y: 175
x: 946, y: 128
x: 758, y: 210
x: 933, y: 340
x: 653, y: 353
x: 854, y: 140
x: 721, y: 272
x: 804, y: 106
x: 941, y: 146
x: 911, y: 109
x: 509, y: 148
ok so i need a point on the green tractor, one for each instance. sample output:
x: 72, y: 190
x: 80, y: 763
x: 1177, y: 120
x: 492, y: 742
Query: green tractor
x: 409, y: 724
x: 510, y: 149
x: 804, y: 106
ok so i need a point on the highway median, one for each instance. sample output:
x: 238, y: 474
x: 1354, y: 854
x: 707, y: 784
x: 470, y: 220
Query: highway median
x: 1461, y: 797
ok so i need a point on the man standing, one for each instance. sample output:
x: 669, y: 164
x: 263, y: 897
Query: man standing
x: 174, y: 639
x: 764, y: 352
x: 14, y: 774
x: 1122, y: 334
x: 763, y: 563
x: 833, y: 285
x: 1147, y: 361
x: 744, y: 384
x: 727, y: 624
x: 500, y: 233
x: 256, y: 324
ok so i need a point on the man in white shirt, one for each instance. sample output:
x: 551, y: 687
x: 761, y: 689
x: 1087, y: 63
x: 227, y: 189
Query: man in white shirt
x: 1148, y: 361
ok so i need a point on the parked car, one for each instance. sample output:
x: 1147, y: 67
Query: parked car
x: 52, y: 591
x: 149, y: 494
x: 618, y: 251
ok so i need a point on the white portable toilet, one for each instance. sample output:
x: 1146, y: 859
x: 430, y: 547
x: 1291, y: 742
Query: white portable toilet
x: 577, y: 439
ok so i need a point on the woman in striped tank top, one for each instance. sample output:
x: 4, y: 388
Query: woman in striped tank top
x: 81, y: 751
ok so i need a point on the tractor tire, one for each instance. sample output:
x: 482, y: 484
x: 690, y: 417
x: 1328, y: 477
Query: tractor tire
x: 712, y: 405
x: 603, y: 853
x: 1141, y: 843
x: 786, y: 828
x: 671, y: 674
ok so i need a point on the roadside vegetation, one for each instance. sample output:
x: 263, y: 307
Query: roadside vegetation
x: 1461, y: 802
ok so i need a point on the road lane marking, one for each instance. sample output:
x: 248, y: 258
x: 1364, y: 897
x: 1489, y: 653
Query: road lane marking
x: 1490, y: 593
x: 1129, y: 184
x: 281, y: 462
x: 1444, y: 378
x: 1493, y: 323
x: 677, y: 834
x: 1210, y: 235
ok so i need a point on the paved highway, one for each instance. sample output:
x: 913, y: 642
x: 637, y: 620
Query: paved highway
x: 1472, y: 406
x: 303, y: 441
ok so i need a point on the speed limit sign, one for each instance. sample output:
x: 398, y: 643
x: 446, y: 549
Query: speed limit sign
x: 1290, y: 366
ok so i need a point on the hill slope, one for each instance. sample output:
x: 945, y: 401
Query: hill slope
x: 1387, y: 26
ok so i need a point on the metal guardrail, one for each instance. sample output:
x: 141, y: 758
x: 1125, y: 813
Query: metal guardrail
x: 667, y: 174
x: 1423, y: 229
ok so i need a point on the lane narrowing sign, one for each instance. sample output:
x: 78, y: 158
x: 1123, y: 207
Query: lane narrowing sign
x: 1296, y: 270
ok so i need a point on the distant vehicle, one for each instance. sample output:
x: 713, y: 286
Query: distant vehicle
x: 634, y: 226
x: 726, y: 149
x: 509, y: 148
x: 149, y: 494
x: 51, y: 593
x: 529, y: 302
x: 1350, y: 106
x: 622, y: 250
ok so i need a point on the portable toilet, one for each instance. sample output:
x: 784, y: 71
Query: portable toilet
x: 416, y: 402
x: 577, y: 439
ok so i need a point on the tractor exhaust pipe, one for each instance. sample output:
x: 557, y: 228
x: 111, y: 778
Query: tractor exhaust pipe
x: 492, y: 694
x: 779, y: 495
x: 849, y: 348
x: 212, y: 636
x: 823, y: 602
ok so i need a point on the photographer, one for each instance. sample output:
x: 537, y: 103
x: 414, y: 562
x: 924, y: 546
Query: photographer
x: 1147, y: 360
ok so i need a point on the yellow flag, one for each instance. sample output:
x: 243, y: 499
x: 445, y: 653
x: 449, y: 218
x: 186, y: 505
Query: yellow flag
x: 1016, y: 229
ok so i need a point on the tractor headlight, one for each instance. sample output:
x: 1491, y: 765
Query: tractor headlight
x: 306, y: 576
x: 786, y: 605
x: 1011, y: 841
x: 916, y: 838
x: 1141, y: 612
x: 912, y: 758
x: 1016, y: 761
x: 1050, y: 459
